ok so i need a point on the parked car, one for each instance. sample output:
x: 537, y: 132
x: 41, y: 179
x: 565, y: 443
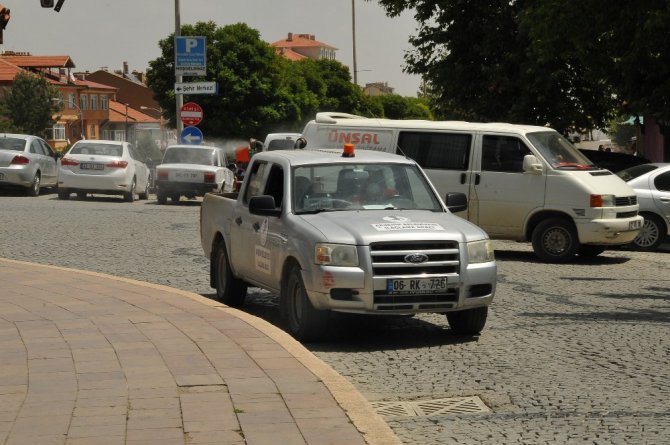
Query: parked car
x: 193, y: 170
x: 103, y: 167
x: 613, y: 161
x: 651, y: 183
x: 27, y: 162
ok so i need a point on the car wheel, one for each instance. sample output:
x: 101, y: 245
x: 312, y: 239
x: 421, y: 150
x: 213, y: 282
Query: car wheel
x: 34, y: 189
x: 555, y: 240
x: 130, y: 195
x: 590, y: 250
x: 175, y: 198
x: 652, y: 233
x: 230, y: 290
x: 63, y: 194
x: 161, y: 197
x: 145, y: 192
x: 469, y: 321
x: 304, y: 322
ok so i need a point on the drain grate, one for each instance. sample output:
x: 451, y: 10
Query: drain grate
x: 455, y: 405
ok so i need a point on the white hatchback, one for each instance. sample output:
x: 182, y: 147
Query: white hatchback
x: 103, y: 167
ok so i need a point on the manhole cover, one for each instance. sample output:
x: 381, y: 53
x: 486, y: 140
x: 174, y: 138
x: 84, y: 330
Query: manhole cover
x: 455, y: 405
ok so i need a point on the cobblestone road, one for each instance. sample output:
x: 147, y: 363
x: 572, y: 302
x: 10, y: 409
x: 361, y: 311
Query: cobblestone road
x: 573, y: 353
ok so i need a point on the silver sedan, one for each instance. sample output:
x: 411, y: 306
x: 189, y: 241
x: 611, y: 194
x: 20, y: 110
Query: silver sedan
x: 28, y: 162
x: 651, y: 183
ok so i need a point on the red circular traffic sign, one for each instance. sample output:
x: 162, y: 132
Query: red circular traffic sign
x: 191, y: 114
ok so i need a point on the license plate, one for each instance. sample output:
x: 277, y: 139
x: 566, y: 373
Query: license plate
x: 634, y: 225
x: 91, y: 166
x: 416, y: 285
x: 186, y: 175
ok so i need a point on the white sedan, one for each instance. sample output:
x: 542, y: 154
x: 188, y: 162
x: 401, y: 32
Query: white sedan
x: 103, y: 167
x: 27, y: 161
x: 192, y: 170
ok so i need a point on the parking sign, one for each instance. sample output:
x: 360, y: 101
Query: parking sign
x: 190, y: 56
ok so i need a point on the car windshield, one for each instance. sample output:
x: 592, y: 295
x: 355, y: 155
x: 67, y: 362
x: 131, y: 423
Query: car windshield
x: 331, y: 187
x: 97, y: 149
x: 15, y: 144
x: 633, y: 172
x: 188, y: 155
x: 559, y: 152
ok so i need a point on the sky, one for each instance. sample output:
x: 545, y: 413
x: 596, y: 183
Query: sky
x: 106, y: 33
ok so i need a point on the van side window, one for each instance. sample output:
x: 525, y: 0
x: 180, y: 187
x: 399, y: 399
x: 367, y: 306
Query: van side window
x: 449, y: 151
x: 503, y: 154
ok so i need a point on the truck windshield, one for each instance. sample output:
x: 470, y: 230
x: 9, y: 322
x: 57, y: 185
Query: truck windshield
x: 332, y: 187
x: 559, y: 152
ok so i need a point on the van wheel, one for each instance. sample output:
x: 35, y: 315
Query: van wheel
x: 555, y: 240
x: 652, y: 233
x: 305, y: 323
x: 161, y: 197
x: 229, y: 289
x: 468, y: 322
x: 590, y: 250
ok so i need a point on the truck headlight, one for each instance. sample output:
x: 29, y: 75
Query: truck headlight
x: 336, y: 255
x: 480, y: 251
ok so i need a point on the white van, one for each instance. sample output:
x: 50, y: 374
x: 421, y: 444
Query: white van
x: 524, y: 183
x: 280, y: 141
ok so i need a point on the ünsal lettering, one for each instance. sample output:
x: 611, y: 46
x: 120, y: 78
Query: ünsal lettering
x: 353, y: 137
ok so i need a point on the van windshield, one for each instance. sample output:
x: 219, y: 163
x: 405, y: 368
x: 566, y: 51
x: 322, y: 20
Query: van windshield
x: 559, y: 152
x: 332, y: 187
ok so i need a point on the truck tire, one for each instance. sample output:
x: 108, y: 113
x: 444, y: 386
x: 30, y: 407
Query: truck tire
x: 229, y: 289
x: 652, y: 234
x: 555, y: 240
x: 468, y: 322
x: 304, y: 322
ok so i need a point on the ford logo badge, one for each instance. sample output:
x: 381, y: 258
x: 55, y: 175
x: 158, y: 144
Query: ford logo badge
x: 416, y: 258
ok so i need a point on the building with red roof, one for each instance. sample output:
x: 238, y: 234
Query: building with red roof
x: 303, y: 46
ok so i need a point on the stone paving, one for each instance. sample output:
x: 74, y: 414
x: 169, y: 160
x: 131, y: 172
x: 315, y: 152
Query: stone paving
x: 572, y: 353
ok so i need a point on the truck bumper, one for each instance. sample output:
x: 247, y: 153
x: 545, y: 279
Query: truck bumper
x: 609, y: 231
x: 350, y: 289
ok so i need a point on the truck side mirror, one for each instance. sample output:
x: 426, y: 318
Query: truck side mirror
x: 301, y: 142
x: 532, y: 165
x: 456, y: 202
x: 263, y: 205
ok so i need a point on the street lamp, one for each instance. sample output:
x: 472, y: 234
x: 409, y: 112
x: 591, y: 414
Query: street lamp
x: 160, y: 121
x: 125, y: 137
x: 82, y: 134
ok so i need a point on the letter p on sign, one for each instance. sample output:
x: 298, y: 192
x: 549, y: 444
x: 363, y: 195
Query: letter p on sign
x: 190, y: 44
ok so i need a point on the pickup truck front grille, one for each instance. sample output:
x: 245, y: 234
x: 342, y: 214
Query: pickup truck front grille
x: 625, y: 200
x: 415, y: 258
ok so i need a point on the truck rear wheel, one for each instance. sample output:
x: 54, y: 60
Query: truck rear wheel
x: 468, y: 322
x: 305, y: 323
x: 555, y: 240
x: 229, y: 289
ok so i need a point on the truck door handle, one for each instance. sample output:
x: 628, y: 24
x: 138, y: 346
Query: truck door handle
x: 478, y: 178
x: 238, y: 220
x: 463, y: 177
x: 256, y: 226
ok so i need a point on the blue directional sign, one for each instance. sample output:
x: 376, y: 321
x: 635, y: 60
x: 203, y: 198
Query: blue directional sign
x: 191, y: 135
x: 190, y: 56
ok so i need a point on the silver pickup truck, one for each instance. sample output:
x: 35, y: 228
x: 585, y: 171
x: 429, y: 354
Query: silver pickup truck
x: 351, y: 232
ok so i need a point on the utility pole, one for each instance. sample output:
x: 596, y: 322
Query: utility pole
x: 353, y: 33
x: 179, y: 97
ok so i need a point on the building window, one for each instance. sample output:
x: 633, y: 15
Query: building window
x: 114, y: 135
x: 83, y: 102
x: 71, y: 101
x: 56, y: 133
x: 104, y: 102
x: 94, y: 101
x: 91, y: 132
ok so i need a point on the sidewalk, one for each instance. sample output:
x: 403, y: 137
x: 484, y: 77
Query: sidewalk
x: 87, y: 358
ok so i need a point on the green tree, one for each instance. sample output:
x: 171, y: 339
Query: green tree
x: 483, y: 62
x: 28, y: 105
x: 252, y: 96
x: 147, y: 147
x: 400, y: 107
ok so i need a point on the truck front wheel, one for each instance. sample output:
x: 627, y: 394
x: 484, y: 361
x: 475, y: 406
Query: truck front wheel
x: 305, y: 323
x: 229, y: 289
x: 468, y: 322
x: 555, y: 240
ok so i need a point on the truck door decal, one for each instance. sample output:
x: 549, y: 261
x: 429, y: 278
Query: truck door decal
x: 262, y: 259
